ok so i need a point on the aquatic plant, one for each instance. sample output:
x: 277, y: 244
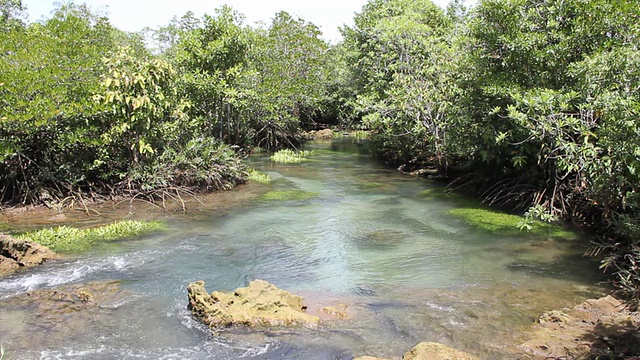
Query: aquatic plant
x: 1, y: 352
x: 259, y: 177
x: 288, y: 195
x: 288, y: 156
x: 372, y: 185
x: 507, y: 224
x: 69, y: 239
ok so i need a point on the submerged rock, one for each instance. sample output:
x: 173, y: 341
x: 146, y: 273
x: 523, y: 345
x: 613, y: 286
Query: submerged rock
x: 53, y: 316
x: 429, y: 351
x: 260, y: 303
x: 338, y: 311
x: 435, y: 351
x: 21, y: 253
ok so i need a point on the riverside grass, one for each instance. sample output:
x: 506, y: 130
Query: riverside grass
x: 70, y: 239
x: 288, y: 156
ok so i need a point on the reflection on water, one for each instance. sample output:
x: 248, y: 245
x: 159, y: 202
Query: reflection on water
x: 407, y: 271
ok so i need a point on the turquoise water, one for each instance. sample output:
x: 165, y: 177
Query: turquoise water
x: 407, y: 271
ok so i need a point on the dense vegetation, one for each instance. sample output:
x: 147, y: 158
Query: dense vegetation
x: 531, y: 104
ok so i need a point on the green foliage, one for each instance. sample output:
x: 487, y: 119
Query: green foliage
x: 142, y: 99
x: 70, y: 239
x: 82, y: 115
x: 288, y: 195
x: 259, y: 177
x: 404, y: 63
x: 287, y: 156
x: 198, y: 165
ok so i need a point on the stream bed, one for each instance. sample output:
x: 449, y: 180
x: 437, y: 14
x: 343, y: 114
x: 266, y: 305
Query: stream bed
x: 367, y: 238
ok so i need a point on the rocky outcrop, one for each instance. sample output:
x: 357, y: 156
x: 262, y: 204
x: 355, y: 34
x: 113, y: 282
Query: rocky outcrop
x: 16, y: 253
x: 593, y: 328
x: 429, y: 351
x: 323, y: 134
x: 260, y: 303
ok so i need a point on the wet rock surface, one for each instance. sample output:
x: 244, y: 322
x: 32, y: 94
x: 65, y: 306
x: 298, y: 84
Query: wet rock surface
x: 597, y: 327
x: 323, y: 134
x: 260, y: 303
x: 15, y: 254
x: 55, y: 315
x: 429, y: 351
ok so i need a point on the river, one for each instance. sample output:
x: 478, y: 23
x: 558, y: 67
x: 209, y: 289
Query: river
x: 406, y: 269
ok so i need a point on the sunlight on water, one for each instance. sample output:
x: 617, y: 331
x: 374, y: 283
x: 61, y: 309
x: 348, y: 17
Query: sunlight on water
x: 407, y: 271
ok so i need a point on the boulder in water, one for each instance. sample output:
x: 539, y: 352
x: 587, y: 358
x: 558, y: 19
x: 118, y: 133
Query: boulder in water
x: 260, y: 303
x: 16, y: 253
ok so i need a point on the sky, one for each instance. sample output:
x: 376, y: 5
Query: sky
x: 133, y: 15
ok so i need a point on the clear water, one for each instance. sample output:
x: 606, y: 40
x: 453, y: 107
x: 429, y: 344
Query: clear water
x: 407, y: 271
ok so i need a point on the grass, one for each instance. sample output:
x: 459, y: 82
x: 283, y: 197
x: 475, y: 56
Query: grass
x: 259, y: 177
x: 70, y: 239
x: 288, y: 195
x: 507, y: 224
x: 288, y: 156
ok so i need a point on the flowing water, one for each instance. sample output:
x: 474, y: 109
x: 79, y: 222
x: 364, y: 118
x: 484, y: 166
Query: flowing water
x: 407, y: 271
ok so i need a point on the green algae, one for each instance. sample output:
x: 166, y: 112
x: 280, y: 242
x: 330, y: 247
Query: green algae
x: 71, y: 239
x: 259, y: 177
x: 507, y: 224
x: 288, y: 156
x: 288, y: 195
x: 372, y: 185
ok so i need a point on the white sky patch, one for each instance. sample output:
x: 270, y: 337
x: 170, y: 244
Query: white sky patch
x: 134, y: 15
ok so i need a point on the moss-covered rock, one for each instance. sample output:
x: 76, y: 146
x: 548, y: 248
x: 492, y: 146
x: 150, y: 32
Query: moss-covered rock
x: 260, y: 303
x: 507, y: 224
x: 288, y: 195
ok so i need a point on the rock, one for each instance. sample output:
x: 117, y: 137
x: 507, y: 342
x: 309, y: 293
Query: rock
x: 429, y: 351
x: 435, y: 351
x: 8, y: 265
x: 554, y: 316
x: 24, y: 253
x: 339, y: 311
x: 586, y: 329
x: 323, y: 134
x: 260, y: 303
x: 53, y: 316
